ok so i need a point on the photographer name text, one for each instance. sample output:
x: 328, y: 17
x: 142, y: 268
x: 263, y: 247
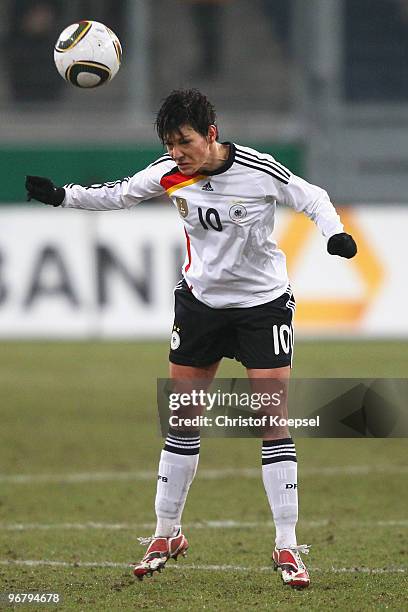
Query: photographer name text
x: 239, y: 421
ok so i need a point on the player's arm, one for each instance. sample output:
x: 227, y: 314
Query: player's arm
x: 115, y: 195
x: 315, y: 203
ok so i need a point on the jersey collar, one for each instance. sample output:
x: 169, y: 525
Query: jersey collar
x: 228, y: 162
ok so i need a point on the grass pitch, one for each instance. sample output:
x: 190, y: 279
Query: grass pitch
x: 79, y: 447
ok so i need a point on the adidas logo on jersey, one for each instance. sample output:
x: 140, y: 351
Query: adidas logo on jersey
x: 207, y: 187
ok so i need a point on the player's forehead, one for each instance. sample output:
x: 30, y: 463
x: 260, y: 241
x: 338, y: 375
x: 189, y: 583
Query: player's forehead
x: 180, y: 134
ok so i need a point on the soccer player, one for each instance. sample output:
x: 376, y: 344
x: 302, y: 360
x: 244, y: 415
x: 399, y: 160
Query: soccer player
x: 233, y: 293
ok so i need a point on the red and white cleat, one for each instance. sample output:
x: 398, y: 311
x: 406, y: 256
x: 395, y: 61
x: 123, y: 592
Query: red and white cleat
x: 289, y: 563
x: 160, y: 550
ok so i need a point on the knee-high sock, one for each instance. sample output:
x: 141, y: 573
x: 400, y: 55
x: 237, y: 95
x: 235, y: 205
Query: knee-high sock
x: 177, y: 468
x: 279, y: 474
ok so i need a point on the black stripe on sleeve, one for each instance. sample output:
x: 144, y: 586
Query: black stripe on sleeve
x: 274, y: 174
x: 161, y: 160
x: 109, y: 185
x: 263, y: 160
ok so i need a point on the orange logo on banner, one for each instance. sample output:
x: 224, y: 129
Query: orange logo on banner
x: 326, y: 312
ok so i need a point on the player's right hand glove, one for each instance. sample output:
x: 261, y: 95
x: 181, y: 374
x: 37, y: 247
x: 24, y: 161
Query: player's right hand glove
x: 44, y: 190
x: 342, y: 244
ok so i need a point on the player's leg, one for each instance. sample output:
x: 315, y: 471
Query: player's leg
x: 196, y: 349
x: 279, y: 475
x: 180, y: 455
x: 266, y: 345
x: 279, y: 462
x: 177, y: 467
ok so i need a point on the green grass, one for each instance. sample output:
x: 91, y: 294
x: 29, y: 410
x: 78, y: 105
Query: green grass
x: 70, y: 408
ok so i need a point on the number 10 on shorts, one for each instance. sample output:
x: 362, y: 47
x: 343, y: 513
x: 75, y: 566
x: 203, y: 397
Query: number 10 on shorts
x: 282, y: 339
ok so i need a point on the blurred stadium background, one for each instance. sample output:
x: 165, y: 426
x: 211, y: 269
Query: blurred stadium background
x: 315, y: 83
x: 323, y: 86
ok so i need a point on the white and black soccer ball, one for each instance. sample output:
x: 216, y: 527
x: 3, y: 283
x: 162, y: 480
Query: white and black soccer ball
x: 88, y: 54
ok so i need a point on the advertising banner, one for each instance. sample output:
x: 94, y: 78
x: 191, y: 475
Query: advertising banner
x: 75, y: 274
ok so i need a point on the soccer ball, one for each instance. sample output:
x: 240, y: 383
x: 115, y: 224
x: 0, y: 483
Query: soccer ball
x: 87, y: 54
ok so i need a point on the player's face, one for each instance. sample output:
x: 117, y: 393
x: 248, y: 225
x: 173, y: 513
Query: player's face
x: 189, y: 149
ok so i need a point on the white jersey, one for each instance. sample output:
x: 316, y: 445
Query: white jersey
x: 232, y: 259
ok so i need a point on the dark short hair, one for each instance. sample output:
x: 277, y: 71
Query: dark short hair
x: 181, y: 107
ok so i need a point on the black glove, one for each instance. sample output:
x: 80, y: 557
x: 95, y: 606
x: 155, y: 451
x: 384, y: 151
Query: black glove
x: 343, y: 245
x: 44, y: 190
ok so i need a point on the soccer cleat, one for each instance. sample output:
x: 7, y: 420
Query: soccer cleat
x: 291, y: 566
x: 159, y: 551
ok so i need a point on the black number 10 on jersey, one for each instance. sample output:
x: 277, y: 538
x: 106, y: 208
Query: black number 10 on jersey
x: 212, y: 219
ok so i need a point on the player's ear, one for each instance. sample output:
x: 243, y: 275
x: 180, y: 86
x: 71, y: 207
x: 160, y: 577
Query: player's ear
x: 212, y: 133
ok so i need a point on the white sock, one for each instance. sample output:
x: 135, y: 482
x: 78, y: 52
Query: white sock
x: 176, y: 473
x: 279, y: 474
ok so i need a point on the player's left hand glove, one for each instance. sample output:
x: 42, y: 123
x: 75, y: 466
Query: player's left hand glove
x: 44, y: 190
x: 343, y: 245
